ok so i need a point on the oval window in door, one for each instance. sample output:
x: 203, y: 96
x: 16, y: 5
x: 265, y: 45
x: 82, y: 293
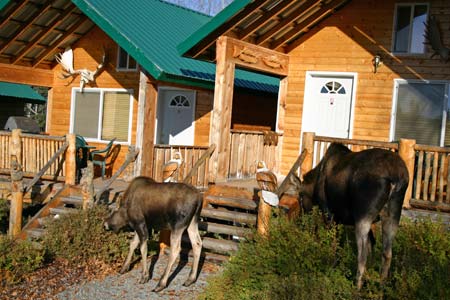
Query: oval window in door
x: 179, y: 101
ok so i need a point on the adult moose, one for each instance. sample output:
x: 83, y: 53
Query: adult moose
x: 147, y: 204
x: 354, y: 188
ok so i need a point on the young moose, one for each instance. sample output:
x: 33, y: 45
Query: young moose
x: 354, y: 188
x: 147, y: 204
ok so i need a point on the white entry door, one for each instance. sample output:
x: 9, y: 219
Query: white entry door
x: 327, y: 105
x: 176, y: 117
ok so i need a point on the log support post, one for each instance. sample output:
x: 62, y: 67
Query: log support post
x: 264, y: 211
x: 87, y: 185
x: 71, y: 166
x: 408, y: 154
x: 308, y: 144
x: 15, y: 215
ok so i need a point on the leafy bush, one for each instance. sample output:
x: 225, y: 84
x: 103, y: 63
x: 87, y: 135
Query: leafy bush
x: 17, y: 258
x: 81, y: 236
x: 307, y: 259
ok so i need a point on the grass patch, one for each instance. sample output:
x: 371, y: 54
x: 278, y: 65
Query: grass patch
x: 307, y: 259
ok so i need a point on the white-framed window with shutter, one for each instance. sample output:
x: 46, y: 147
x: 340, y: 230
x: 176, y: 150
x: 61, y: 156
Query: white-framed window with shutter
x: 102, y: 114
x: 421, y: 112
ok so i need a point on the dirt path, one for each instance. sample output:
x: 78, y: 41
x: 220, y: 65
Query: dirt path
x: 126, y: 286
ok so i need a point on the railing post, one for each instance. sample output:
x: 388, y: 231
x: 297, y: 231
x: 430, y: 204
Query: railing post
x: 71, y: 166
x: 87, y: 185
x: 15, y: 215
x: 407, y: 153
x: 308, y: 144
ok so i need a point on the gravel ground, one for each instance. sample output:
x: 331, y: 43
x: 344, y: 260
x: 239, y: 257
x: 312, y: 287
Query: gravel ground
x: 126, y: 286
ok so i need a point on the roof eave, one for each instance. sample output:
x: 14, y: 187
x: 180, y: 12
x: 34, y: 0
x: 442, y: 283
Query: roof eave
x: 120, y: 39
x: 212, y: 25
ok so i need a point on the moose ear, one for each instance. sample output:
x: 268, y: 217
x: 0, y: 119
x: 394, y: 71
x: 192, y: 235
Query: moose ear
x: 119, y: 200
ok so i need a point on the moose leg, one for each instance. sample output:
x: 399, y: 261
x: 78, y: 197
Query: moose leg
x: 389, y: 226
x: 175, y: 247
x: 133, y: 245
x: 362, y: 239
x: 142, y: 233
x: 196, y: 242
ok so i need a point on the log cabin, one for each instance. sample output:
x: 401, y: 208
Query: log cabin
x: 367, y: 70
x: 144, y: 93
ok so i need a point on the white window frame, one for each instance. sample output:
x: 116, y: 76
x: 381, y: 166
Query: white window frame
x: 100, y: 117
x: 394, y: 29
x: 445, y: 104
x: 127, y: 68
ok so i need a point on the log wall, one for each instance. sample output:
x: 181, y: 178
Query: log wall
x: 347, y: 42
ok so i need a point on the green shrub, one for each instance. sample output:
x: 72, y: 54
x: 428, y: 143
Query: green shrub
x: 299, y: 260
x: 17, y: 258
x: 306, y: 259
x: 81, y: 236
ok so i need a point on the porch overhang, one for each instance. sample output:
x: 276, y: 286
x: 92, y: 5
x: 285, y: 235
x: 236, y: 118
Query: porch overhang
x: 279, y: 25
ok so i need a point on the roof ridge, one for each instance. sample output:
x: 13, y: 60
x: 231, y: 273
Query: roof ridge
x: 185, y: 8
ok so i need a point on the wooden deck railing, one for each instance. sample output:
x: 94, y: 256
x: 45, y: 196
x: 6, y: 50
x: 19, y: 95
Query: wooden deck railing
x: 249, y: 147
x: 190, y: 154
x: 429, y: 185
x: 37, y: 151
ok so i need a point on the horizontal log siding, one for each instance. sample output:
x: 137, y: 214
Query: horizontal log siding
x: 36, y: 152
x: 88, y: 55
x: 347, y: 42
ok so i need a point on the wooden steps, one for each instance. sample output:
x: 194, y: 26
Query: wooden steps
x: 228, y: 216
x: 65, y: 201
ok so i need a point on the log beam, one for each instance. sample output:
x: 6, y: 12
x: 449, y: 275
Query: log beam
x: 26, y: 75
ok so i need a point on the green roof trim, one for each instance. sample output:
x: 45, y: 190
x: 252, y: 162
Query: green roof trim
x: 21, y: 91
x: 3, y: 3
x: 223, y: 16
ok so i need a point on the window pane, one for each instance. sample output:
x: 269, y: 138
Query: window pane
x: 419, y: 112
x: 418, y: 29
x: 87, y: 106
x: 131, y: 63
x: 123, y: 56
x: 402, y: 28
x: 116, y: 109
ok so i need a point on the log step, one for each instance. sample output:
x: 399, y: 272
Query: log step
x: 231, y: 202
x: 62, y: 210
x: 72, y: 200
x: 220, y: 246
x: 239, y: 217
x: 225, y: 229
x: 35, y: 233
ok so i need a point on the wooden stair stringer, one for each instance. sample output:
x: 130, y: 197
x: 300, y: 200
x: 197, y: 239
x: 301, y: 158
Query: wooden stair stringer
x: 56, y: 201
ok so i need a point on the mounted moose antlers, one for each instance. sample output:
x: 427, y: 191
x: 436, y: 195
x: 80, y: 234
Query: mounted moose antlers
x: 65, y: 59
x: 433, y: 37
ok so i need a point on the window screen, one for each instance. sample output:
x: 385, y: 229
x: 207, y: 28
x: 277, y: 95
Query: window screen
x: 419, y: 113
x: 87, y: 107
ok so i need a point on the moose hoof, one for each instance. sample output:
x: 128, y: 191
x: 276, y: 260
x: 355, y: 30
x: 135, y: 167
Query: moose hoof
x: 189, y: 282
x: 144, y: 279
x: 158, y: 288
x: 123, y: 270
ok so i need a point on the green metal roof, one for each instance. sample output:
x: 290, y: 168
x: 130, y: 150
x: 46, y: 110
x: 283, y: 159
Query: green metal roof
x: 212, y: 25
x: 150, y: 30
x: 22, y: 91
